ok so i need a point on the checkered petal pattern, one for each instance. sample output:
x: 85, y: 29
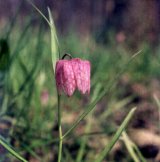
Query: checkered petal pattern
x: 72, y: 74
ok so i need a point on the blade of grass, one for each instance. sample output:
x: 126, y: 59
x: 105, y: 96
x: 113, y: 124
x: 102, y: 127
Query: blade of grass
x: 11, y: 150
x: 139, y: 153
x: 158, y: 104
x: 129, y: 147
x: 32, y: 152
x: 132, y: 148
x: 54, y: 41
x: 4, y: 104
x: 115, y: 138
x: 39, y: 12
x: 157, y: 101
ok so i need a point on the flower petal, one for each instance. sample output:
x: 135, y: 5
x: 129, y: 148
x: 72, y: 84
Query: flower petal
x: 82, y: 74
x: 68, y: 79
x: 87, y: 69
x: 58, y: 75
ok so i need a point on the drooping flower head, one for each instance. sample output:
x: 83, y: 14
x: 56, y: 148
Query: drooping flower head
x: 72, y: 74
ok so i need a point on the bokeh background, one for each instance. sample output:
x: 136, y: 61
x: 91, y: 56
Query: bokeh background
x: 106, y: 32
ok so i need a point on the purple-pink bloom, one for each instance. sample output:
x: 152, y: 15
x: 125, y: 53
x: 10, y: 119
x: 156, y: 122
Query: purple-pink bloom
x: 72, y: 74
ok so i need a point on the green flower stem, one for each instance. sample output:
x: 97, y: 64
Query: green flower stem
x: 60, y: 131
x: 14, y: 153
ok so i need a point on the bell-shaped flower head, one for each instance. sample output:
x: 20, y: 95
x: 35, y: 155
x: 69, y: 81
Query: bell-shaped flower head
x: 72, y: 74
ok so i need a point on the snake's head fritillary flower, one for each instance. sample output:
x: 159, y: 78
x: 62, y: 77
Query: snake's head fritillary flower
x: 72, y: 74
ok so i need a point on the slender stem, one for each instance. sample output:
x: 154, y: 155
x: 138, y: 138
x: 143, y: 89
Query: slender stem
x: 60, y: 131
x: 67, y: 54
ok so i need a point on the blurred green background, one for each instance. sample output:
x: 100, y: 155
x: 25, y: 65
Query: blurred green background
x: 107, y: 33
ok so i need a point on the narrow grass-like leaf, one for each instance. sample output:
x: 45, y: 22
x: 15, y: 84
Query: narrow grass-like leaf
x: 39, y: 12
x: 129, y: 147
x: 11, y: 150
x: 115, y: 138
x: 157, y: 101
x: 34, y: 154
x: 132, y: 148
x: 54, y: 41
x: 158, y: 104
x: 139, y: 153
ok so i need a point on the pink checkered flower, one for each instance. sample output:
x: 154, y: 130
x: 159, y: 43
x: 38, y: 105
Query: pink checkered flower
x: 72, y: 74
